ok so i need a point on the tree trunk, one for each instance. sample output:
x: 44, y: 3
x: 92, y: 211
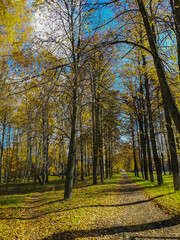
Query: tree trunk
x: 101, y: 159
x: 95, y: 122
x: 134, y: 150
x: 149, y: 151
x: 139, y: 110
x: 81, y: 149
x: 89, y: 163
x: 36, y: 150
x: 72, y: 150
x: 168, y: 156
x: 47, y: 148
x: 63, y: 161
x: 85, y: 160
x: 59, y: 161
x: 29, y: 150
x: 75, y: 168
x: 2, y: 147
x: 163, y: 166
x: 110, y: 154
x: 44, y: 147
x: 173, y: 152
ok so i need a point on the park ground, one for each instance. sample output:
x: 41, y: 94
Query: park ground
x: 116, y: 209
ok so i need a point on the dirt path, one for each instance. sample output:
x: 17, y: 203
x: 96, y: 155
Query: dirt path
x: 146, y: 219
x: 139, y: 218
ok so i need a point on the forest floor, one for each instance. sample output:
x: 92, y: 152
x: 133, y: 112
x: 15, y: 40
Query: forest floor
x: 109, y: 210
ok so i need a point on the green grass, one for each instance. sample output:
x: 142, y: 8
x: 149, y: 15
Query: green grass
x: 38, y: 211
x: 10, y: 201
x: 164, y: 195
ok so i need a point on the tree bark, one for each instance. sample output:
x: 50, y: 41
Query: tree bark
x: 63, y: 160
x: 101, y: 159
x: 134, y: 150
x: 29, y: 151
x: 71, y: 154
x: 149, y: 151
x: 47, y: 147
x: 2, y: 146
x: 81, y: 149
x: 95, y: 122
x: 106, y: 161
x: 173, y: 151
x: 44, y: 147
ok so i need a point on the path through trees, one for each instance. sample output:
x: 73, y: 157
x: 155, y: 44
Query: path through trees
x: 121, y: 211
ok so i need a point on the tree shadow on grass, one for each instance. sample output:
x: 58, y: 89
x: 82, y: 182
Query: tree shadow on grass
x: 73, y: 234
x: 71, y: 209
x: 24, y: 188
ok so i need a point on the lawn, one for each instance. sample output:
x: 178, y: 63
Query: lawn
x: 29, y: 211
x: 163, y: 195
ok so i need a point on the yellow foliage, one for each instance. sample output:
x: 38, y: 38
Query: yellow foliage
x: 14, y: 19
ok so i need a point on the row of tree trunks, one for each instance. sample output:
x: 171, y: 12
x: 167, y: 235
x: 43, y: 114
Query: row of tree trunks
x: 151, y: 127
x: 167, y: 96
x: 144, y: 139
x: 134, y: 149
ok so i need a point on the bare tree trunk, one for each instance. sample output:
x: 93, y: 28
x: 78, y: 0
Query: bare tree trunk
x: 47, y: 147
x: 173, y: 151
x: 71, y: 154
x: 101, y: 159
x: 7, y: 173
x: 59, y: 161
x: 143, y: 146
x: 134, y: 150
x: 106, y: 161
x: 168, y: 156
x: 138, y: 142
x: 85, y: 156
x: 44, y: 147
x: 95, y: 119
x: 36, y: 150
x: 75, y: 169
x: 110, y: 153
x: 81, y: 149
x: 63, y: 161
x: 89, y: 164
x: 29, y: 151
x: 2, y: 147
x: 149, y: 151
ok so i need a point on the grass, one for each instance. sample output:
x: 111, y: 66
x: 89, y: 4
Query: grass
x: 29, y: 211
x: 38, y: 211
x: 164, y: 195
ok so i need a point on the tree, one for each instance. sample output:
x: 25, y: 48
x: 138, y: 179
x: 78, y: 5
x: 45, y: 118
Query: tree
x: 165, y: 89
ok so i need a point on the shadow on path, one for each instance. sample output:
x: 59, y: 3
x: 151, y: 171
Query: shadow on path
x: 115, y: 230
